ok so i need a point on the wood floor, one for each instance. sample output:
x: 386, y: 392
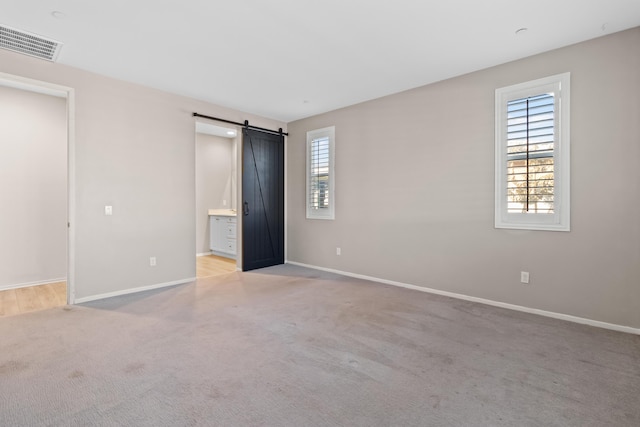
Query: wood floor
x: 33, y: 298
x: 212, y: 265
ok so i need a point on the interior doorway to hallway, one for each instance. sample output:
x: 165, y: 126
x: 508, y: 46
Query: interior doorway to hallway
x: 36, y: 164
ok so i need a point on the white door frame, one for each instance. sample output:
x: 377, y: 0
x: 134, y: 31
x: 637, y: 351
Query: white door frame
x: 68, y: 93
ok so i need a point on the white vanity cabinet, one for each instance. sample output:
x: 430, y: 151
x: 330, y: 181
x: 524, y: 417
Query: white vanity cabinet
x: 222, y: 235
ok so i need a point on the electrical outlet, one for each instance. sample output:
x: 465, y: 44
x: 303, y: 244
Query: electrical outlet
x: 152, y: 261
x: 524, y: 277
x: 224, y: 203
x: 108, y: 210
x: 338, y: 251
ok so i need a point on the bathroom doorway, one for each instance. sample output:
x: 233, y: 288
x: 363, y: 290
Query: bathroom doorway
x: 216, y: 154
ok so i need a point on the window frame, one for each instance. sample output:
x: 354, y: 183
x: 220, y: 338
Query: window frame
x: 559, y: 220
x: 329, y: 213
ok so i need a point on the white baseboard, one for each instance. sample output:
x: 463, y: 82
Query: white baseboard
x: 37, y: 283
x: 205, y: 253
x: 561, y: 316
x: 133, y: 290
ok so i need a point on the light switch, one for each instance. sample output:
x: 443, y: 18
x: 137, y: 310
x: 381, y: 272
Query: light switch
x: 108, y: 210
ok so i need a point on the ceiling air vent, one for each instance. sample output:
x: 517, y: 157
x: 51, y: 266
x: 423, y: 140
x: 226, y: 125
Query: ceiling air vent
x: 28, y: 44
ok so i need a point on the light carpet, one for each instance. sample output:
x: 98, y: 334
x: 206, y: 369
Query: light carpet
x: 289, y: 346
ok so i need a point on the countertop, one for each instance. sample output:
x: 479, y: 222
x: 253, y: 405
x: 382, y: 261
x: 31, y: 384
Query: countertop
x: 222, y: 212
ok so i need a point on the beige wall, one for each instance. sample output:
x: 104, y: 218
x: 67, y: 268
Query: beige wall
x: 134, y: 150
x: 215, y: 167
x: 33, y: 188
x: 415, y: 189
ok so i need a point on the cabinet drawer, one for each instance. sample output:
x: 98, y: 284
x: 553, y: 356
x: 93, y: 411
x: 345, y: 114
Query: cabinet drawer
x: 231, y: 246
x: 231, y: 219
x: 230, y: 231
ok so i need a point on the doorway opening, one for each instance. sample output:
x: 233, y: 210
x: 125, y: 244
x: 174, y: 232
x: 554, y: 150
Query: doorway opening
x: 37, y: 164
x: 251, y: 230
x: 216, y: 154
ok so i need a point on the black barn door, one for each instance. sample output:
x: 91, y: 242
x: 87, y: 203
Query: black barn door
x: 262, y: 199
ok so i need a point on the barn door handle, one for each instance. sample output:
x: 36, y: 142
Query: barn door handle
x: 245, y: 209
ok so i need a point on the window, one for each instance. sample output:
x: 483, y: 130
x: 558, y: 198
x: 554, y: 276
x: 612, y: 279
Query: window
x: 532, y: 155
x: 320, y: 174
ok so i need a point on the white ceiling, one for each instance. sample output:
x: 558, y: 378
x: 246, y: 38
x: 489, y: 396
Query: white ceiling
x: 289, y: 59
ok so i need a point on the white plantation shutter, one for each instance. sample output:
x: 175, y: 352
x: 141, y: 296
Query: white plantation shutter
x: 530, y: 147
x: 320, y: 174
x: 532, y: 155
